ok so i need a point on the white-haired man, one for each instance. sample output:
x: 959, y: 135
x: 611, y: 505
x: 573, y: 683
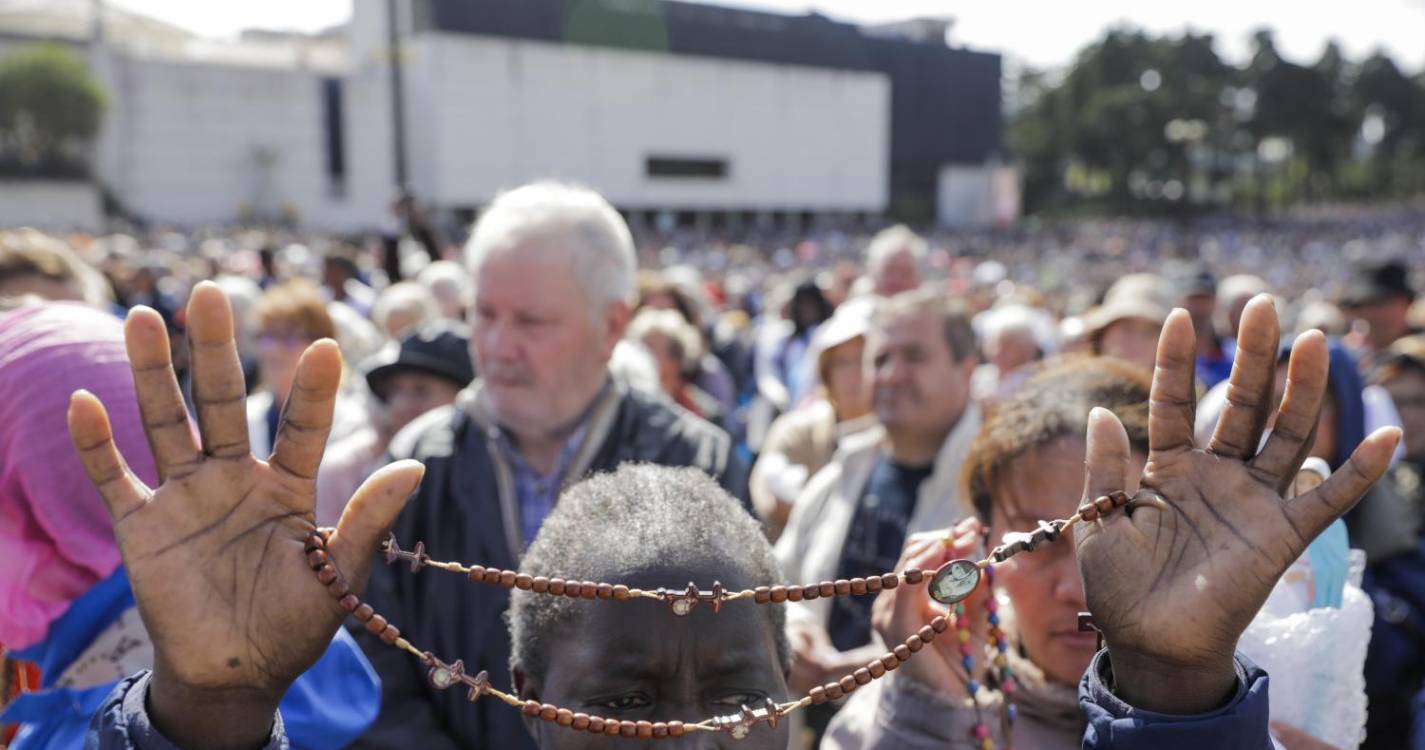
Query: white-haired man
x: 893, y: 260
x: 553, y: 269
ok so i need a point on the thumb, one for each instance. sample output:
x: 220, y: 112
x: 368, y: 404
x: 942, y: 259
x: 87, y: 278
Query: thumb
x: 1108, y: 461
x: 368, y: 517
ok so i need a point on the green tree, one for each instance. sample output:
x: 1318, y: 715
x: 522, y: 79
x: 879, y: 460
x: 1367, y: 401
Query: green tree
x: 51, y: 109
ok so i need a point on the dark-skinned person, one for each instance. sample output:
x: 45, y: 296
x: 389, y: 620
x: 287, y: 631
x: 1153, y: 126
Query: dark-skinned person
x: 553, y: 269
x: 66, y: 606
x: 217, y: 552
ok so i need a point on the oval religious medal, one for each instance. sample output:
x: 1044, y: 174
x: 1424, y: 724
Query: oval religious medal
x: 954, y: 581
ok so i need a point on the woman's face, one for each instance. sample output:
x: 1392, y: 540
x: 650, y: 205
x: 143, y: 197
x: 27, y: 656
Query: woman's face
x: 1044, y: 585
x: 846, y: 385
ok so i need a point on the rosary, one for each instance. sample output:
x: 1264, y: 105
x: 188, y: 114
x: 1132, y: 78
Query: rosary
x: 951, y: 583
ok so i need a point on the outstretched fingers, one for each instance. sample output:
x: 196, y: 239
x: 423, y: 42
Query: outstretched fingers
x: 1292, y: 435
x: 93, y: 439
x: 165, y: 418
x: 219, y: 390
x: 1251, y: 386
x: 1172, y: 402
x: 307, y: 416
x: 1317, y: 509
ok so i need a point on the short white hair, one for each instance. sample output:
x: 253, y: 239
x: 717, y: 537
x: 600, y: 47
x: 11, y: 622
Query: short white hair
x: 682, y: 337
x: 447, y: 281
x: 891, y: 242
x: 406, y: 297
x: 587, y: 227
x: 1017, y: 320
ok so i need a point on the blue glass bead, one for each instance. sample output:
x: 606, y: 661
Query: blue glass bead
x: 1002, y: 645
x: 972, y: 686
x: 967, y: 663
x: 994, y: 619
x: 1012, y: 712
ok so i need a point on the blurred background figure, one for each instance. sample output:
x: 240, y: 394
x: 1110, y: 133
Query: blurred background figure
x: 893, y: 261
x: 1377, y: 304
x: 1127, y: 324
x: 803, y: 440
x: 1016, y: 339
x: 449, y: 284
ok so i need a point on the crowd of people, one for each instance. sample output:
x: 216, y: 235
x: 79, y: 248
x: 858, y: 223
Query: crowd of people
x: 575, y: 400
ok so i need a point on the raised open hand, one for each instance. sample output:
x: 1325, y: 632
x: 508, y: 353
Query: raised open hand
x: 1174, y: 582
x: 215, y: 552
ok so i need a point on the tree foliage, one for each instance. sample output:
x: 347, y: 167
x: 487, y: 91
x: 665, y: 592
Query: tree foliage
x: 51, y: 109
x: 1145, y: 123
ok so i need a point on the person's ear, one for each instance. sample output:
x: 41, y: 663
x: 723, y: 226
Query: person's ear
x: 527, y: 690
x: 615, y: 320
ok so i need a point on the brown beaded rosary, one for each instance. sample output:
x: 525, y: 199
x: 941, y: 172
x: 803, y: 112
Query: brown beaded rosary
x: 951, y: 583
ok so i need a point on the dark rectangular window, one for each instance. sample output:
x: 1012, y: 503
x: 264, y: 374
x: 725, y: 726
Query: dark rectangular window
x: 335, y: 132
x: 668, y: 166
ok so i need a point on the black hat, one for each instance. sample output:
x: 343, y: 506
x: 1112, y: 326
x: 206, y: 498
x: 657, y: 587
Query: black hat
x: 440, y: 349
x: 1196, y: 280
x: 1376, y: 281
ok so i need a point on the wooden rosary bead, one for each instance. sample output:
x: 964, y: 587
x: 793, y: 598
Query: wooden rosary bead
x: 645, y: 729
x: 492, y: 576
x: 927, y: 634
x: 390, y: 635
x: 811, y: 592
x: 588, y: 589
x: 376, y: 624
x: 858, y: 586
x: 1104, y: 504
x: 539, y: 584
x: 890, y: 581
x: 364, y: 612
x: 572, y: 589
x: 794, y: 593
x: 326, y: 575
x: 548, y: 712
x: 873, y: 584
x: 581, y: 722
x: 762, y: 594
x: 476, y: 574
x: 847, y: 684
x: 317, y: 558
x: 524, y: 582
x: 843, y: 587
x: 675, y: 729
x: 628, y: 728
x: 611, y: 727
x: 833, y: 691
x: 828, y: 588
x: 1088, y: 512
x: 556, y: 586
x: 596, y: 725
x: 339, y: 588
x: 914, y: 643
x: 902, y: 652
x: 779, y: 594
x: 890, y: 662
x: 940, y: 624
x: 349, y: 603
x: 564, y: 717
x: 862, y: 676
x: 818, y: 695
x: 660, y: 729
x: 620, y: 592
x: 914, y: 575
x: 877, y: 669
x: 530, y: 709
x: 605, y: 590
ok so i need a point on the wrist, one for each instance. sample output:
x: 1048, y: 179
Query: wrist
x: 223, y: 719
x: 1163, y: 686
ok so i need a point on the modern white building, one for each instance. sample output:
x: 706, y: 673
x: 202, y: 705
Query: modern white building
x: 696, y: 112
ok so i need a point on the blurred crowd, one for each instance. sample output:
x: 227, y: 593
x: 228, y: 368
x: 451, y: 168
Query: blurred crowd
x: 840, y: 384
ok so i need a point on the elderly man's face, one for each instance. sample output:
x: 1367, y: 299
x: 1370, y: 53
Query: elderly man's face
x: 917, y: 385
x: 540, y: 352
x: 900, y: 273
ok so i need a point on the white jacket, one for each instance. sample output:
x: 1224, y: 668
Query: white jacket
x: 809, y: 550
